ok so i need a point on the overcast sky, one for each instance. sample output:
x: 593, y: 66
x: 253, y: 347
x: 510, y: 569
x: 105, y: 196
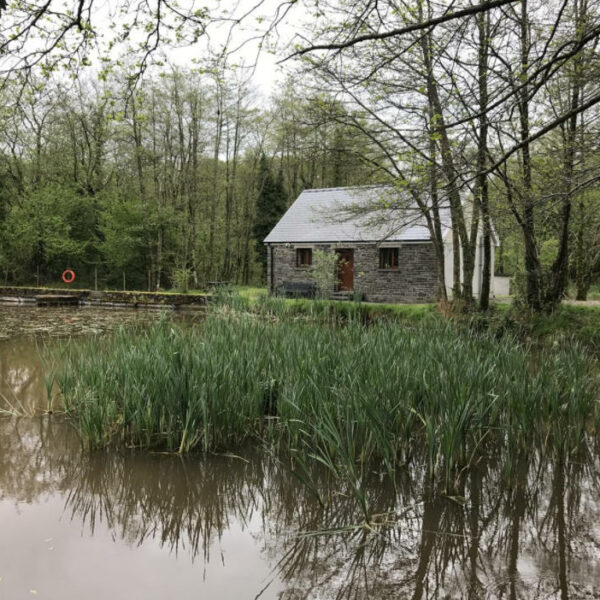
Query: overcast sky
x: 242, y: 40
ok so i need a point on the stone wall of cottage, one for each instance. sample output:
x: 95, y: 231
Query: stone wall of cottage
x: 415, y: 280
x: 284, y: 265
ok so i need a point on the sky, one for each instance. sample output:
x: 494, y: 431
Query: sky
x: 242, y: 39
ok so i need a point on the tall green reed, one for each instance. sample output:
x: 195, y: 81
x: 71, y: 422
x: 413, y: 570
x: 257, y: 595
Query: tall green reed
x: 357, y: 400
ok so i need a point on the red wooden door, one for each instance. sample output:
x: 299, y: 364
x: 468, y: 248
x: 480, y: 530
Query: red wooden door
x: 345, y: 270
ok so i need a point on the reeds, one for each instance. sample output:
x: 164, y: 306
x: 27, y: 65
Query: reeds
x: 355, y: 399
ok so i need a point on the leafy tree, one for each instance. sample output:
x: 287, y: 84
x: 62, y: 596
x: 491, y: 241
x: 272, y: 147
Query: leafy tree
x: 40, y: 233
x: 324, y: 272
x: 123, y: 247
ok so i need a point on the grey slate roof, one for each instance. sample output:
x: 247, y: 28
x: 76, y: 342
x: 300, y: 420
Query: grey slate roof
x: 352, y: 214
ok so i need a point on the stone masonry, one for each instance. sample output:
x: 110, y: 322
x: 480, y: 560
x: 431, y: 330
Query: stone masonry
x: 414, y: 281
x: 284, y: 265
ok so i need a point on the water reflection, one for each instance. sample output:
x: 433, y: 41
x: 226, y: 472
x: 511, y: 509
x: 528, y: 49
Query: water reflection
x: 80, y: 525
x: 21, y: 376
x: 537, y: 537
x: 26, y: 331
x: 121, y: 525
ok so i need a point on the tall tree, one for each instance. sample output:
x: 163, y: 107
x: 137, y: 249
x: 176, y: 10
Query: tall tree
x: 271, y: 203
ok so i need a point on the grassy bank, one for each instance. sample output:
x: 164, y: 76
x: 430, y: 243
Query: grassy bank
x: 570, y: 320
x: 257, y: 301
x: 351, y: 398
x: 568, y: 323
x: 579, y: 323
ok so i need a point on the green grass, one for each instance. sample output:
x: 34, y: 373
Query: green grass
x: 249, y: 291
x: 569, y: 319
x: 258, y: 301
x: 593, y: 292
x: 360, y: 390
x: 568, y: 323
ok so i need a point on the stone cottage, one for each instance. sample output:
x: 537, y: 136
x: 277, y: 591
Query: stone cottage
x: 384, y: 250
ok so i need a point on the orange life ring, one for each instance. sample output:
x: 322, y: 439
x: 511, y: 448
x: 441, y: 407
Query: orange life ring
x: 68, y: 276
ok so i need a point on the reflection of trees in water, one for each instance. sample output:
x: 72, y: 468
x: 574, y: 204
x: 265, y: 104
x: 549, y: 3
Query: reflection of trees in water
x: 36, y: 457
x: 184, y: 503
x: 498, y: 541
x: 521, y: 540
x: 21, y: 376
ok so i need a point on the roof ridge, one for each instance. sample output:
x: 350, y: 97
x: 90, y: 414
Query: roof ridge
x: 348, y: 187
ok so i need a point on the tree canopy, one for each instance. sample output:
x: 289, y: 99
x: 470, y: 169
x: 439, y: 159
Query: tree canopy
x: 489, y: 109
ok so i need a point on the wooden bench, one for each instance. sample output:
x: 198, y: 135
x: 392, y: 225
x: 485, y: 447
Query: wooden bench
x: 298, y: 289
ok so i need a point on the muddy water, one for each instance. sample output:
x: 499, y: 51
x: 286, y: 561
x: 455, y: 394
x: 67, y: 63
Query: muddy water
x: 27, y: 331
x: 122, y: 525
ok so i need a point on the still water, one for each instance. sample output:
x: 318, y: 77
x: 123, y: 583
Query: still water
x: 123, y: 525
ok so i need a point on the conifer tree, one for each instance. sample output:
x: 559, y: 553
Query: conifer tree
x: 270, y: 206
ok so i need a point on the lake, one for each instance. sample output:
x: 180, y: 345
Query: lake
x: 129, y: 524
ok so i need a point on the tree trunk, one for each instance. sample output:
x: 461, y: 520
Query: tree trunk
x: 483, y: 26
x: 138, y: 145
x: 533, y: 269
x: 460, y: 237
x: 438, y: 240
x: 558, y: 281
x: 215, y: 181
x: 582, y: 266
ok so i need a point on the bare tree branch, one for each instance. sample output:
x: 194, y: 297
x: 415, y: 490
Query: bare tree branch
x: 430, y: 24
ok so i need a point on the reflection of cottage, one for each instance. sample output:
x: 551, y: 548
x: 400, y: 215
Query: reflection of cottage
x: 382, y: 242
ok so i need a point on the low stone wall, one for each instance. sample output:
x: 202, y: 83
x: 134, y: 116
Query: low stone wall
x: 133, y: 298
x: 414, y: 281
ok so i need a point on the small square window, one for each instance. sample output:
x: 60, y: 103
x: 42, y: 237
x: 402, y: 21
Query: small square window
x: 303, y: 257
x: 388, y: 258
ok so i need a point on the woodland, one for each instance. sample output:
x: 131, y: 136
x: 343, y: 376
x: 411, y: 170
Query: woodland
x: 138, y: 170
